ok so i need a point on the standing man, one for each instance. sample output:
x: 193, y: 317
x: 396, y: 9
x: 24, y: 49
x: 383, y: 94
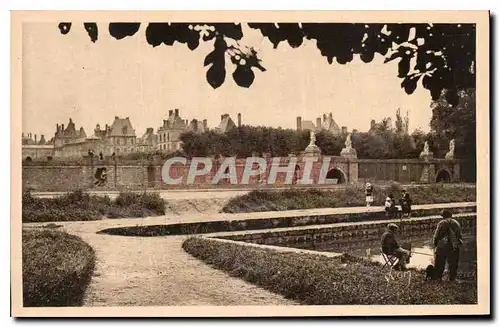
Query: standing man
x: 405, y: 203
x: 447, y: 240
x: 369, y: 194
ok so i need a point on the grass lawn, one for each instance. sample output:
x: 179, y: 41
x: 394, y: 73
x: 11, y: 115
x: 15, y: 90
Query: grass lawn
x: 258, y: 201
x: 317, y: 280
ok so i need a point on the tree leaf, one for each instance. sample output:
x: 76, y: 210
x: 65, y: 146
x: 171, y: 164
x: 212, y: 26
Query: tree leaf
x: 367, y: 56
x: 122, y: 30
x: 216, y: 75
x: 158, y: 33
x: 403, y: 66
x: 243, y: 76
x: 410, y: 83
x: 230, y: 30
x: 91, y: 29
x: 64, y: 28
x: 210, y: 58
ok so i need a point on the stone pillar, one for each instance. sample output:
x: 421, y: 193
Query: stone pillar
x: 456, y: 172
x: 353, y: 171
x: 428, y: 173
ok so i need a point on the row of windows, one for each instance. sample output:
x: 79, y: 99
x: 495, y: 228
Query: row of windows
x: 119, y: 141
x: 169, y: 137
x: 170, y: 146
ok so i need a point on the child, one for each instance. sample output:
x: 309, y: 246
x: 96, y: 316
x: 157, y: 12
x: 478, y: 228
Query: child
x: 369, y: 194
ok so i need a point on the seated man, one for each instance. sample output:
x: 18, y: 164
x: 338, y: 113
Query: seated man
x: 390, y: 246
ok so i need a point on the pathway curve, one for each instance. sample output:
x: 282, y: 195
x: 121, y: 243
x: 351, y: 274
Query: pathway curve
x: 156, y: 271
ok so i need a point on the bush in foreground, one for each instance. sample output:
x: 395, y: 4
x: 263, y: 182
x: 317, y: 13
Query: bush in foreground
x: 80, y: 206
x: 57, y: 268
x: 317, y: 280
x: 259, y: 200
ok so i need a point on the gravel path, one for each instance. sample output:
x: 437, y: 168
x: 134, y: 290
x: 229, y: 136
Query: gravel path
x: 156, y: 271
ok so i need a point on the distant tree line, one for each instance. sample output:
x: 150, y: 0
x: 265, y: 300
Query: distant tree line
x: 384, y: 141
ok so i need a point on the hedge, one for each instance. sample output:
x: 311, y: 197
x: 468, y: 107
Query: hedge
x: 57, y: 268
x: 80, y: 206
x: 318, y: 280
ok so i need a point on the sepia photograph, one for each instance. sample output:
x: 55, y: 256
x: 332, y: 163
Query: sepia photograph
x: 197, y: 164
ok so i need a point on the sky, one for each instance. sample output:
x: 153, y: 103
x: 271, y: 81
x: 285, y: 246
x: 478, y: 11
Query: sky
x: 69, y: 76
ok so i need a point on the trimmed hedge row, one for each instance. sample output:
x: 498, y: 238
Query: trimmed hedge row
x: 352, y: 196
x: 57, y: 268
x: 80, y: 206
x: 318, y: 280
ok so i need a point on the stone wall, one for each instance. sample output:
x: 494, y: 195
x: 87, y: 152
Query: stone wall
x: 138, y: 175
x: 252, y: 227
x: 336, y: 234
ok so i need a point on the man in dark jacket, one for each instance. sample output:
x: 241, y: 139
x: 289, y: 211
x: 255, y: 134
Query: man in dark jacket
x: 390, y: 246
x: 447, y: 240
x: 405, y: 203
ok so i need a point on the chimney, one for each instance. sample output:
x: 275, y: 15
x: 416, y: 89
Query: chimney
x: 318, y: 122
x: 170, y: 112
x: 35, y: 138
x: 106, y: 127
x: 164, y: 122
x: 299, y: 123
x: 42, y: 139
x: 331, y: 116
x: 354, y: 131
x: 127, y: 118
x: 187, y: 121
x: 221, y: 117
x: 372, y: 124
x: 239, y: 119
x: 116, y: 117
x: 344, y: 129
x: 176, y: 112
x: 324, y: 117
x: 57, y: 127
x: 204, y: 123
x: 62, y: 127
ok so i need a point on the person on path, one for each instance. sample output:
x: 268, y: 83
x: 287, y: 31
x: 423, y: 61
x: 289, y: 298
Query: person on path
x: 405, y: 203
x: 390, y: 206
x: 447, y: 241
x: 369, y: 194
x: 390, y: 246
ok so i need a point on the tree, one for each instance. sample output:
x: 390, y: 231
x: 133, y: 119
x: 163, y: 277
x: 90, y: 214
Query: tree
x: 457, y: 123
x: 399, y: 124
x: 444, y: 54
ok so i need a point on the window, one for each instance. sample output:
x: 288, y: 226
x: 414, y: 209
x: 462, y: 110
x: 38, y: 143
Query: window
x: 168, y: 136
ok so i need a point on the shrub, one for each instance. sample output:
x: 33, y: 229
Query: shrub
x: 57, y: 268
x: 318, y: 280
x: 352, y: 196
x: 80, y: 206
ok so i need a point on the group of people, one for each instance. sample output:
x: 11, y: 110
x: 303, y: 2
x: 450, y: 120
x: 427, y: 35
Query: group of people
x: 391, y: 209
x: 390, y: 205
x: 446, y: 242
